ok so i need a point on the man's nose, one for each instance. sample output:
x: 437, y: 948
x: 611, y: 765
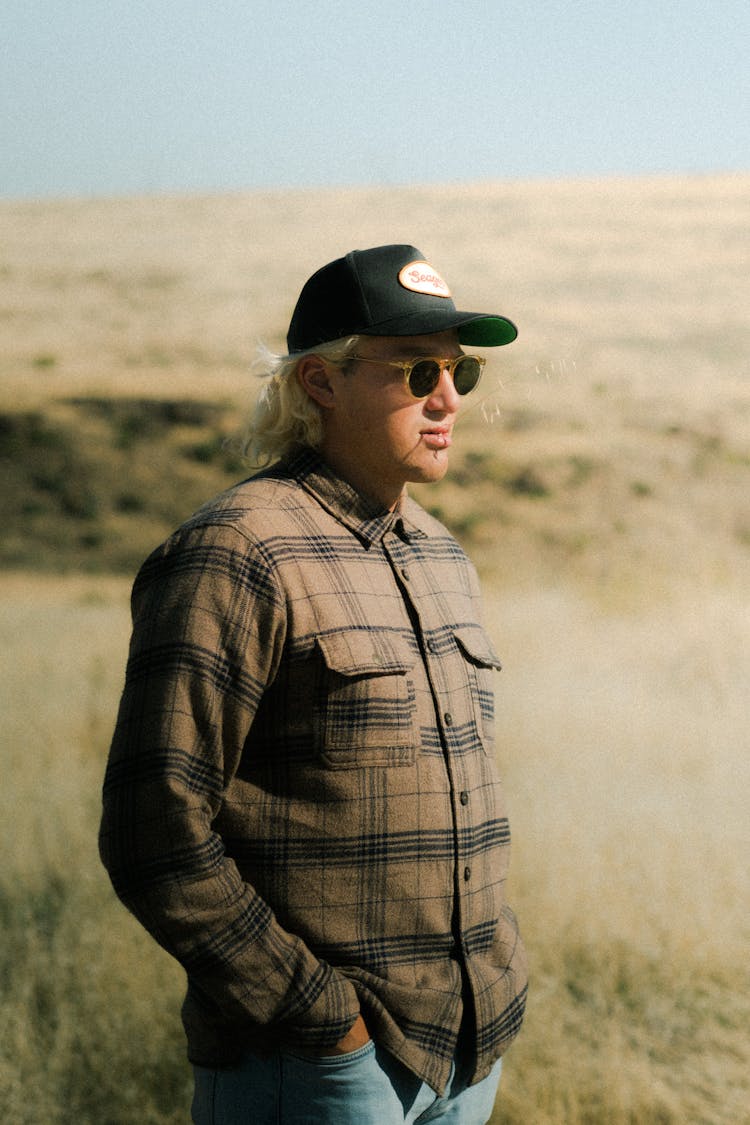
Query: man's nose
x: 445, y: 393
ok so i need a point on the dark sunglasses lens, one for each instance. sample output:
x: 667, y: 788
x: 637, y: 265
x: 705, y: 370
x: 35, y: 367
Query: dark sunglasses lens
x: 466, y: 374
x: 423, y: 377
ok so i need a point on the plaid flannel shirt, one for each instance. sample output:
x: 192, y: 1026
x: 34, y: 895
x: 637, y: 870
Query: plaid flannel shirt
x: 301, y: 802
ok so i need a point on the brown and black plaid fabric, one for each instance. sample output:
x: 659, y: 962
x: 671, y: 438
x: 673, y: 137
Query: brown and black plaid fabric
x: 302, y: 803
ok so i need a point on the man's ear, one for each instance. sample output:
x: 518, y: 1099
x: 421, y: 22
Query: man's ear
x: 314, y: 378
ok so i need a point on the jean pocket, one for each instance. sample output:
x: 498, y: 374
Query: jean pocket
x: 334, y: 1062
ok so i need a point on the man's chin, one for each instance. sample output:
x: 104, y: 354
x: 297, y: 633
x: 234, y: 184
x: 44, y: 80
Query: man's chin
x: 430, y: 472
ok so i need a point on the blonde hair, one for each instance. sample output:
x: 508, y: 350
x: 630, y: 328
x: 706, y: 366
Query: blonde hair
x: 284, y: 415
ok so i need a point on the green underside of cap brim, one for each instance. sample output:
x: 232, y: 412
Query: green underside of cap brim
x: 487, y: 332
x: 479, y: 330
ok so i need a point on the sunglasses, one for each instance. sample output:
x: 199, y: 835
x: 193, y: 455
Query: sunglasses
x: 422, y: 375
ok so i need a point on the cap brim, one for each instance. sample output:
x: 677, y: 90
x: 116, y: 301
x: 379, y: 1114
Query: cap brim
x: 487, y: 331
x: 479, y: 330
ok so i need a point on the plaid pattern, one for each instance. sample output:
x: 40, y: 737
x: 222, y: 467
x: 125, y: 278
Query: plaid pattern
x: 301, y: 802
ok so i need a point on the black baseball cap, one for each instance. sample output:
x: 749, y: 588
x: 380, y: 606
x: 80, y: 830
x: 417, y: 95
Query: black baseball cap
x: 386, y: 291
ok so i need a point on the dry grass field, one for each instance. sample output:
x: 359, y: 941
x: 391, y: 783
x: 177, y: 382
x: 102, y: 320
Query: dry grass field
x: 602, y: 482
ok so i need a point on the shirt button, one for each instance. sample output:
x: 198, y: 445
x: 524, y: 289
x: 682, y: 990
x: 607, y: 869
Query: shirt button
x: 467, y: 873
x: 405, y: 574
x: 432, y: 646
x: 464, y: 798
x: 448, y: 719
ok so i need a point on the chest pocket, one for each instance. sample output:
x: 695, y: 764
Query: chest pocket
x: 365, y: 703
x: 481, y: 661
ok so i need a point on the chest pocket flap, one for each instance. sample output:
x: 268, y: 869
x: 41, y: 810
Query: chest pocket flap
x: 477, y: 646
x: 365, y: 652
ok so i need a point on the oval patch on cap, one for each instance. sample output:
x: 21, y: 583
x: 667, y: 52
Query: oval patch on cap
x: 422, y: 278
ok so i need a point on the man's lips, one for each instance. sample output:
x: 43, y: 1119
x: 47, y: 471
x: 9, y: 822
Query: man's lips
x: 437, y: 438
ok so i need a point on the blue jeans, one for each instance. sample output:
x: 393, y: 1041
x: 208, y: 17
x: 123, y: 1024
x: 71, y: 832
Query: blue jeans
x: 366, y: 1087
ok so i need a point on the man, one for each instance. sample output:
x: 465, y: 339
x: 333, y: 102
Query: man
x: 301, y: 802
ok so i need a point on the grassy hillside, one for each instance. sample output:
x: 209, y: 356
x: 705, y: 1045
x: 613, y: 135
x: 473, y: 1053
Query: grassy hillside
x: 94, y: 482
x: 612, y: 437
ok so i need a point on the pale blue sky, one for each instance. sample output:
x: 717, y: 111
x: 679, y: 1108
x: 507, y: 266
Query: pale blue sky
x: 119, y: 97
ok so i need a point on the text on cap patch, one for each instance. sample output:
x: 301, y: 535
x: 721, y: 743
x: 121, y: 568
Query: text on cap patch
x: 422, y: 278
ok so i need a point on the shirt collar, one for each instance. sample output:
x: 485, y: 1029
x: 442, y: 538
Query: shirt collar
x: 366, y: 518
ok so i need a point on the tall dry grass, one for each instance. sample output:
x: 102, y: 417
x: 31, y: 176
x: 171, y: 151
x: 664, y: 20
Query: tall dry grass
x: 90, y: 1025
x: 623, y: 742
x: 625, y: 737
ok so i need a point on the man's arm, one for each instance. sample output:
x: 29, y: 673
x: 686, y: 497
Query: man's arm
x: 208, y: 630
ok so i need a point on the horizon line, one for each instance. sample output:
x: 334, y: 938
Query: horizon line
x: 385, y: 186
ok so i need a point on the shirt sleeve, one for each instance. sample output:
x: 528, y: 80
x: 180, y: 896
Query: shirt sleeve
x: 209, y: 624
